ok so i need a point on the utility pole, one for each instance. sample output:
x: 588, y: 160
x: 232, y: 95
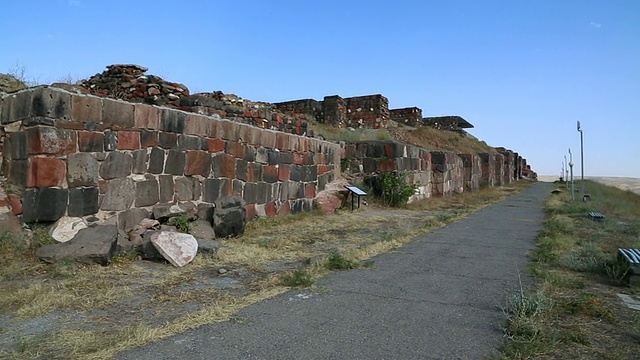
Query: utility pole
x: 573, y: 191
x: 566, y: 169
x: 581, y: 161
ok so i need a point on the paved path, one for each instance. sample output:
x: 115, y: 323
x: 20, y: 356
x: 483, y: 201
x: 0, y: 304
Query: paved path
x: 438, y: 297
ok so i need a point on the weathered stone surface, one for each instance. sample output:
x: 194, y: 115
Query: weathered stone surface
x: 147, y: 192
x: 172, y: 121
x: 205, y: 211
x: 117, y: 164
x: 131, y: 217
x: 11, y: 84
x: 16, y: 107
x: 147, y: 117
x: 120, y: 194
x: 198, y: 162
x: 86, y: 109
x: 46, y: 172
x: 333, y: 196
x: 165, y: 211
x: 175, y: 162
x: 94, y: 245
x: 15, y: 146
x: 166, y: 188
x: 110, y: 141
x: 128, y: 140
x: 50, y: 140
x: 90, y: 141
x: 51, y: 103
x: 117, y: 114
x: 140, y: 161
x: 83, y: 201
x: 44, y: 204
x: 82, y: 170
x: 16, y: 171
x: 229, y: 217
x: 66, y: 228
x: 178, y: 248
x: 167, y: 140
x: 156, y: 161
x: 189, y: 142
x: 202, y: 230
x: 208, y: 246
x: 216, y: 188
x: 185, y: 188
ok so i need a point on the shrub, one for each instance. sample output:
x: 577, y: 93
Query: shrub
x: 337, y: 261
x: 394, y: 188
x: 298, y: 278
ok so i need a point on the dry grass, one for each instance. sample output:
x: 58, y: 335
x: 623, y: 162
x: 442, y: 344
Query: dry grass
x: 92, y: 312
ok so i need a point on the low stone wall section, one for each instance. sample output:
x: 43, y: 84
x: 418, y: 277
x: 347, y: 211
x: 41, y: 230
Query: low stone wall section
x: 448, y: 173
x: 472, y: 171
x: 72, y: 154
x: 411, y: 116
x: 487, y: 169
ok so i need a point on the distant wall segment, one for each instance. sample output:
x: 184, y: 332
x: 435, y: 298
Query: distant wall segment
x: 71, y: 154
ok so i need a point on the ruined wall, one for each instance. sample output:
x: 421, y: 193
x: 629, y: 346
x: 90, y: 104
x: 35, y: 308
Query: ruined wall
x: 509, y: 167
x: 498, y: 168
x: 73, y: 154
x: 411, y: 116
x: 487, y: 167
x: 472, y: 171
x: 448, y: 173
x: 368, y: 112
x: 335, y: 111
x: 371, y: 157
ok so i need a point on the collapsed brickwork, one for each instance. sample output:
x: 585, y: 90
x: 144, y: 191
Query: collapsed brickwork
x: 411, y: 116
x: 73, y: 154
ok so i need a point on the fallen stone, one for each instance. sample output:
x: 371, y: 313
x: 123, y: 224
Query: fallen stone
x: 333, y: 196
x: 147, y: 250
x: 66, y: 228
x: 208, y: 246
x: 165, y: 211
x: 202, y: 230
x: 229, y: 217
x: 95, y: 245
x: 178, y: 248
x: 222, y: 271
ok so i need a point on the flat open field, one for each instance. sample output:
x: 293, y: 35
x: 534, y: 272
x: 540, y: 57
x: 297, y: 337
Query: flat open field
x: 623, y: 183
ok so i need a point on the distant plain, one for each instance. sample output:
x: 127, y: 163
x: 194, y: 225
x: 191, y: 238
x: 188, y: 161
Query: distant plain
x: 624, y: 183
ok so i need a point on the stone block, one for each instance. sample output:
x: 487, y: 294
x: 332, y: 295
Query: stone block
x: 16, y: 107
x: 177, y: 248
x: 216, y: 145
x: 120, y: 194
x: 166, y: 188
x: 66, y: 228
x: 147, y: 193
x: 198, y: 163
x: 270, y: 173
x: 165, y: 211
x: 128, y: 140
x: 15, y: 146
x: 235, y: 148
x: 51, y: 103
x: 190, y: 142
x: 168, y: 140
x: 262, y: 155
x: 186, y: 188
x: 52, y: 141
x: 369, y: 165
x: 216, y: 188
x: 284, y: 173
x: 242, y: 169
x: 156, y: 161
x: 117, y: 164
x: 15, y: 203
x: 237, y: 187
x: 16, y: 172
x: 229, y: 217
x: 147, y: 117
x: 175, y: 162
x: 310, y: 173
x: 83, y: 201
x: 205, y: 212
x: 149, y: 138
x: 196, y: 124
x: 93, y: 245
x: 140, y: 161
x: 298, y: 158
x: 131, y: 217
x: 228, y: 130
x: 44, y: 204
x: 85, y: 109
x: 117, y: 114
x: 46, y: 172
x: 310, y: 190
x: 172, y: 121
x: 223, y: 165
x: 286, y: 157
x: 90, y: 141
x: 295, y: 173
x: 110, y: 141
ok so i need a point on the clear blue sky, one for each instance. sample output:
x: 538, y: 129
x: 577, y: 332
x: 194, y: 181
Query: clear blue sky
x: 522, y: 71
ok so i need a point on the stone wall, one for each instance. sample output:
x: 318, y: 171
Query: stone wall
x: 498, y: 168
x: 448, y: 173
x: 367, y: 112
x: 73, y: 154
x: 472, y: 171
x: 487, y: 166
x: 371, y: 157
x: 509, y: 167
x: 411, y: 116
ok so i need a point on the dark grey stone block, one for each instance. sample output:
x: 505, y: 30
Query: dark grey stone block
x: 15, y: 146
x: 38, y: 121
x: 117, y: 164
x: 172, y: 121
x: 83, y: 201
x: 175, y: 162
x: 147, y: 193
x: 110, y: 141
x: 168, y: 140
x: 274, y: 157
x: 156, y: 161
x: 213, y: 189
x: 44, y: 204
x: 50, y: 103
x: 190, y: 142
x: 120, y: 194
x: 140, y: 161
x: 166, y: 188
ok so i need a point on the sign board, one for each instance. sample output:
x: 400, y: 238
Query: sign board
x: 356, y: 190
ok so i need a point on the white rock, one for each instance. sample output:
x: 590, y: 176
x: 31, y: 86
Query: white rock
x: 178, y: 248
x: 66, y: 228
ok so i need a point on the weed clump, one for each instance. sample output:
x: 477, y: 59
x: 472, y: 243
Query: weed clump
x: 298, y: 278
x: 337, y: 261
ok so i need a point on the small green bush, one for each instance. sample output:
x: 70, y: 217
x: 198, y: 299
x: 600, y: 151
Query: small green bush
x: 181, y: 222
x: 394, y: 188
x: 337, y: 261
x: 301, y: 278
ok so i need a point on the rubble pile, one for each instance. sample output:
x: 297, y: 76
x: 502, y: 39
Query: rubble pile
x: 129, y: 82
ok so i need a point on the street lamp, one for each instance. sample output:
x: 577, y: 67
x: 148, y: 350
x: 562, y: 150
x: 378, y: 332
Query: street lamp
x: 573, y: 192
x: 581, y: 161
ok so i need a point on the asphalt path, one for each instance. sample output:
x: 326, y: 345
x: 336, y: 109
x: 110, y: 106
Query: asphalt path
x: 438, y: 297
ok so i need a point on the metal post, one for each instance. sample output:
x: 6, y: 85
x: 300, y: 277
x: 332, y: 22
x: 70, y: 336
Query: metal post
x: 573, y: 191
x: 581, y: 161
x: 566, y: 169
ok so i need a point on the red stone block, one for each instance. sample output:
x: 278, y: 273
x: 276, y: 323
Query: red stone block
x: 254, y: 172
x: 46, y: 172
x: 86, y: 109
x: 322, y: 169
x: 387, y: 165
x: 216, y: 145
x: 147, y: 117
x: 128, y: 140
x: 284, y: 172
x: 268, y: 139
x: 102, y: 186
x: 228, y: 166
x: 282, y: 141
x: 270, y: 173
x: 298, y: 158
x: 284, y: 209
x: 198, y: 163
x: 49, y: 140
x: 310, y: 190
x: 251, y: 211
x: 270, y: 209
x: 15, y: 203
x: 236, y: 149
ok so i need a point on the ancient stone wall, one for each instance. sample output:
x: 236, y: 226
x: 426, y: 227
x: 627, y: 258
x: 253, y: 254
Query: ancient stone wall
x: 74, y: 154
x: 498, y: 168
x: 448, y: 173
x: 368, y: 158
x: 367, y: 112
x: 509, y: 167
x: 487, y: 166
x: 335, y: 111
x: 472, y: 171
x: 411, y: 116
